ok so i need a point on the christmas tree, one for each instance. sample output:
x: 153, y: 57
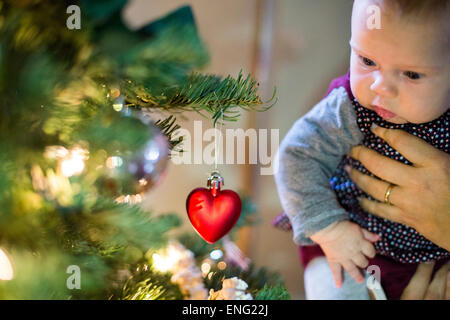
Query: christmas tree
x: 79, y: 149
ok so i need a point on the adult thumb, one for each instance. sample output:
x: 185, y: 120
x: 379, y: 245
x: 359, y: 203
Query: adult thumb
x: 372, y: 237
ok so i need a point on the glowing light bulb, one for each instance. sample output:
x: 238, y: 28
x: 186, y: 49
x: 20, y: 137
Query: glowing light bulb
x: 161, y: 263
x: 119, y: 103
x: 6, y: 269
x: 222, y: 265
x: 73, y: 163
x: 216, y: 254
x: 130, y: 199
x: 206, y: 267
x: 70, y: 167
x: 168, y: 260
x: 114, y: 162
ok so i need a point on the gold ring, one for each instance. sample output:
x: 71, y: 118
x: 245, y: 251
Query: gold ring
x: 388, y: 194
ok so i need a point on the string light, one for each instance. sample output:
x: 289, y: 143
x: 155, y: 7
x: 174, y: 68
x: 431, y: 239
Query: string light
x: 222, y: 265
x: 6, y: 269
x: 71, y: 162
x: 114, y: 162
x: 216, y: 254
x: 205, y: 267
x: 163, y: 263
x: 130, y: 199
x: 118, y: 104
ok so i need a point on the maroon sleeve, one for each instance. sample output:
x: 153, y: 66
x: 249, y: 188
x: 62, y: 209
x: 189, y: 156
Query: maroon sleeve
x: 343, y: 81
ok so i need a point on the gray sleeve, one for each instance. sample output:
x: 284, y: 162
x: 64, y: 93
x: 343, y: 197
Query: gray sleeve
x: 308, y: 155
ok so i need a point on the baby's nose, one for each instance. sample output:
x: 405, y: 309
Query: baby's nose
x: 383, y: 86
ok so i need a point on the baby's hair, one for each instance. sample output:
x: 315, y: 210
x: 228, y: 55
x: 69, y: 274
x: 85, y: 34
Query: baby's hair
x: 420, y: 8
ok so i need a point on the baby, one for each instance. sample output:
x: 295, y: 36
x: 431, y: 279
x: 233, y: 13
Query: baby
x: 399, y: 79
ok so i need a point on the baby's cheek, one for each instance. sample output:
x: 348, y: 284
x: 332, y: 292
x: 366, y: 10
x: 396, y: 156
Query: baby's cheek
x: 424, y: 110
x: 361, y: 91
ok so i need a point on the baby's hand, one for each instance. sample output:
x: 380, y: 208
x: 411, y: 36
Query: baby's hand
x: 346, y: 245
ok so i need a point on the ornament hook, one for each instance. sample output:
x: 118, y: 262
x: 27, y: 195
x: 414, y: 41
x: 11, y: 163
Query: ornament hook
x: 215, y: 182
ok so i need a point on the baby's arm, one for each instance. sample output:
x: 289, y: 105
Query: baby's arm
x: 308, y: 155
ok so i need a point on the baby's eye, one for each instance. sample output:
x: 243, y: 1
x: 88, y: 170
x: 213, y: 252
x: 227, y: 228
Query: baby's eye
x: 413, y: 75
x: 367, y: 61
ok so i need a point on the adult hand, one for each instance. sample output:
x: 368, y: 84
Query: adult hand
x: 420, y: 197
x: 420, y: 287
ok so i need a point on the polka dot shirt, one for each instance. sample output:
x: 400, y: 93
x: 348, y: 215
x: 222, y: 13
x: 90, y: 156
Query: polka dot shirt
x: 400, y: 242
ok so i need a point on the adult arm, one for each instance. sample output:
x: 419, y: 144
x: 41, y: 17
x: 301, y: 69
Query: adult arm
x: 421, y: 288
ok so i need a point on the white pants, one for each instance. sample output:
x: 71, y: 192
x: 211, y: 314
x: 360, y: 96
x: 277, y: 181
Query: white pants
x: 319, y: 283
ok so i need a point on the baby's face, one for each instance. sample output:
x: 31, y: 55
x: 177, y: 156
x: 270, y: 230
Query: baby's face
x: 401, y: 71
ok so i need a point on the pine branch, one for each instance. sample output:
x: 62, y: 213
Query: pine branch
x: 202, y: 93
x: 146, y: 284
x: 277, y: 292
x: 111, y: 226
x: 168, y: 128
x: 43, y: 275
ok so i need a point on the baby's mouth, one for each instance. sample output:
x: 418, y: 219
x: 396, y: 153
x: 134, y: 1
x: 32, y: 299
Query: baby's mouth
x: 385, y: 114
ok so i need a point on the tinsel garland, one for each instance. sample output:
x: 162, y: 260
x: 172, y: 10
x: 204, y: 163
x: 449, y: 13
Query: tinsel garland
x: 232, y: 289
x: 180, y: 261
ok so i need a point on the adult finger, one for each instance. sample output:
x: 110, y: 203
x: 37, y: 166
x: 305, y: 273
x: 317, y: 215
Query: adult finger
x: 411, y: 147
x: 385, y: 168
x: 373, y: 186
x: 382, y: 210
x: 436, y: 289
x: 336, y: 271
x: 418, y: 285
x: 353, y: 271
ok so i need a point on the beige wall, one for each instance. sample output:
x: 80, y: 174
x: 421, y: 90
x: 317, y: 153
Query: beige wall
x: 309, y: 46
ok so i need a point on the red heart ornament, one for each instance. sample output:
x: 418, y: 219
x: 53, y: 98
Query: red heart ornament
x: 213, y: 212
